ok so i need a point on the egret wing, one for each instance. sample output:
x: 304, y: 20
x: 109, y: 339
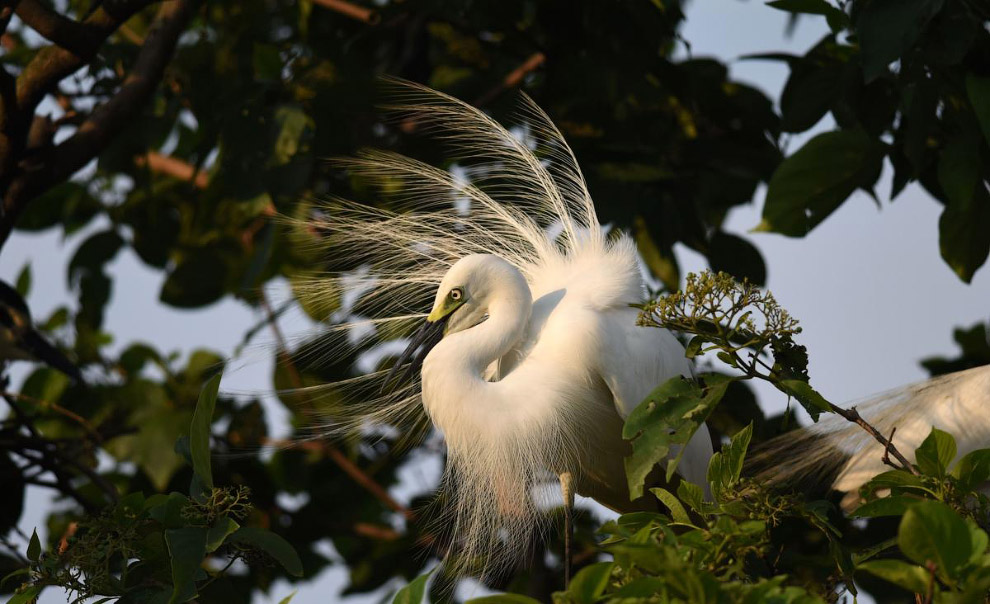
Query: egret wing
x: 632, y: 361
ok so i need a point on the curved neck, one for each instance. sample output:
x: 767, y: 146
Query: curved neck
x: 489, y: 341
x: 454, y: 388
x: 474, y: 349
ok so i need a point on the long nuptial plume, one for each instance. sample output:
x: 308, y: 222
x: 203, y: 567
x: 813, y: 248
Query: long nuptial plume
x: 511, y: 190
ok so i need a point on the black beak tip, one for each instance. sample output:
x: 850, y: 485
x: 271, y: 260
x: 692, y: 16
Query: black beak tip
x: 420, y: 345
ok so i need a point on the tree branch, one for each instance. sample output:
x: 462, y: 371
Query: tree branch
x: 171, y: 166
x: 353, y: 11
x: 107, y: 120
x: 61, y: 30
x: 53, y: 63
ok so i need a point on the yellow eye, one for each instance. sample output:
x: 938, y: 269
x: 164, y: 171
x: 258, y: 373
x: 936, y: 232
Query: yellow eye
x: 456, y: 294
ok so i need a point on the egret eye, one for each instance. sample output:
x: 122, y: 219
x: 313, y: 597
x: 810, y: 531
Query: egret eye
x: 456, y: 294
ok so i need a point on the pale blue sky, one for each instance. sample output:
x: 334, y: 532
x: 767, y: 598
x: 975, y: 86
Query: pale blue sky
x: 868, y: 285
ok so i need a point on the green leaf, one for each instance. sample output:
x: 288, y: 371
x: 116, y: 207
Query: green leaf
x: 288, y: 598
x: 199, y: 431
x: 677, y: 511
x: 295, y: 128
x: 158, y: 424
x: 813, y: 402
x: 931, y: 532
x: 973, y: 469
x: 736, y: 256
x: 978, y: 90
x: 659, y: 258
x: 34, y: 547
x: 693, y: 348
x: 725, y: 466
x: 222, y: 527
x: 836, y: 18
x: 908, y: 576
x: 809, y: 93
x: 892, y: 505
x: 27, y: 596
x: 590, y: 582
x: 45, y: 384
x: 272, y: 544
x: 936, y: 453
x: 669, y: 416
x: 186, y: 550
x: 979, y: 540
x: 168, y: 511
x: 96, y: 251
x: 23, y: 283
x: 642, y: 587
x: 959, y: 169
x: 889, y: 28
x: 964, y: 234
x: 413, y: 592
x: 691, y: 494
x: 810, y: 184
x: 266, y: 62
x: 198, y: 279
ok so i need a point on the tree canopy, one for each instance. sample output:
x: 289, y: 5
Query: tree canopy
x: 183, y: 129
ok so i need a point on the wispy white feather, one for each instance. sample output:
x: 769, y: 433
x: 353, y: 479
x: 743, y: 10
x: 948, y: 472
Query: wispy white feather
x: 514, y: 192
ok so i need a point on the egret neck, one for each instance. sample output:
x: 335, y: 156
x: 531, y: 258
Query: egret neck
x: 453, y: 372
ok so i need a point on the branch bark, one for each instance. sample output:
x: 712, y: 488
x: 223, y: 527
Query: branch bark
x: 106, y: 121
x: 54, y: 63
x: 61, y: 30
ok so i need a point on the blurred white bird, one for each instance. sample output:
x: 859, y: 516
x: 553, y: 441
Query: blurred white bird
x: 842, y: 452
x: 530, y: 353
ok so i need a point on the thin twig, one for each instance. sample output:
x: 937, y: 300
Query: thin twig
x: 60, y: 410
x: 853, y: 416
x: 171, y: 166
x: 886, y: 450
x: 360, y: 13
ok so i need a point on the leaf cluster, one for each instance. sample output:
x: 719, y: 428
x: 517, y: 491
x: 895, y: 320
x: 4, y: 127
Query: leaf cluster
x: 905, y: 81
x: 158, y: 549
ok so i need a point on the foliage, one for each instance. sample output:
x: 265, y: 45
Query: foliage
x: 154, y: 549
x: 230, y: 132
x: 905, y: 81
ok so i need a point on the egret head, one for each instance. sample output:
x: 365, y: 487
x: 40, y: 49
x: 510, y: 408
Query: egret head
x: 463, y: 300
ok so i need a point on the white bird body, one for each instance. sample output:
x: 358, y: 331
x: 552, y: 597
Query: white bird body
x: 570, y: 367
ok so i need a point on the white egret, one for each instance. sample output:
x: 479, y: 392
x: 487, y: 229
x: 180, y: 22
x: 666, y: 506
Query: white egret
x: 530, y: 355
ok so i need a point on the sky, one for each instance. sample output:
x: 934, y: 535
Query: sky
x: 868, y: 285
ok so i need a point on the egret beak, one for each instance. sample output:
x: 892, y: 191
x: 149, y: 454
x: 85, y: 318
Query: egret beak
x: 420, y: 345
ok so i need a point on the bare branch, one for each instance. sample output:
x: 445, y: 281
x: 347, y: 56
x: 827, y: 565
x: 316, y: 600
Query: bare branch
x: 107, y: 120
x: 52, y: 64
x: 164, y: 164
x: 54, y: 27
x: 353, y: 11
